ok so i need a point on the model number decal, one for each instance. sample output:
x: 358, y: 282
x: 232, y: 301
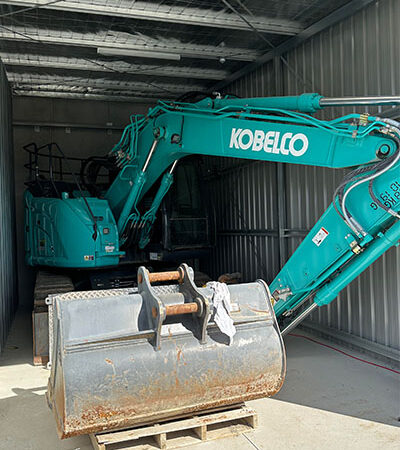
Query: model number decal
x: 390, y: 197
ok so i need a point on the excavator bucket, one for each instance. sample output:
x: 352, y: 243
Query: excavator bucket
x: 142, y: 356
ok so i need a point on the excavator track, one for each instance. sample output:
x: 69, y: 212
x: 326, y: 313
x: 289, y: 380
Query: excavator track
x: 46, y: 283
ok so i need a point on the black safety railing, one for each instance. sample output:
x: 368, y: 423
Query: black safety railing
x: 54, y: 169
x: 36, y: 173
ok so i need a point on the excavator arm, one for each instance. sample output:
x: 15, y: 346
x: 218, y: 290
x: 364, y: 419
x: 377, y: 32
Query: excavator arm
x: 362, y: 221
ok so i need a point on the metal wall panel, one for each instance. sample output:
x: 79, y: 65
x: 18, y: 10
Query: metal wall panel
x: 245, y: 202
x: 247, y: 226
x: 359, y: 56
x: 8, y: 291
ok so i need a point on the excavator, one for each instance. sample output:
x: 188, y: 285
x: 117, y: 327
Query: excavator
x: 168, y: 347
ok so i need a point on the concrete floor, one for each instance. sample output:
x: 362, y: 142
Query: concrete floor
x: 328, y: 401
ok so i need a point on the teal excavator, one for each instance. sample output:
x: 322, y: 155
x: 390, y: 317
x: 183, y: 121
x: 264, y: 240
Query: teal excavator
x: 75, y: 230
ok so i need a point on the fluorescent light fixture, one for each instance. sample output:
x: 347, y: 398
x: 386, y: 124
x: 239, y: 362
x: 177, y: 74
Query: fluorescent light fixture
x: 140, y: 53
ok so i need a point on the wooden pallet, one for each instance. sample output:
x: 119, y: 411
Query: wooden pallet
x: 181, y: 432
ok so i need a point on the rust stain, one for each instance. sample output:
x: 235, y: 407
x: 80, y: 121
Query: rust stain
x: 185, y: 308
x: 123, y: 403
x: 156, y: 401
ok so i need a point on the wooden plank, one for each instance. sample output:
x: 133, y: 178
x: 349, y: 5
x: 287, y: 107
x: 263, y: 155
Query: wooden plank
x: 208, y: 419
x: 179, y: 416
x: 183, y: 432
x: 95, y: 443
x: 252, y: 421
x: 177, y: 440
x: 201, y: 432
x: 227, y: 431
x: 161, y: 440
x: 40, y: 333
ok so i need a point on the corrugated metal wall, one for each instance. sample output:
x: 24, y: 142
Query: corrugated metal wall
x: 246, y: 202
x: 247, y: 220
x: 359, y: 56
x: 8, y: 282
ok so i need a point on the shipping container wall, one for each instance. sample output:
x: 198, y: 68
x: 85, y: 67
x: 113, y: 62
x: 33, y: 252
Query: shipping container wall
x: 8, y: 281
x: 246, y: 220
x: 359, y: 56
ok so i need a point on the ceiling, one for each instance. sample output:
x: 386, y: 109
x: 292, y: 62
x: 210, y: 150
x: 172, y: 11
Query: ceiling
x: 142, y: 50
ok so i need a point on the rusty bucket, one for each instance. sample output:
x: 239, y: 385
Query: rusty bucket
x: 155, y: 353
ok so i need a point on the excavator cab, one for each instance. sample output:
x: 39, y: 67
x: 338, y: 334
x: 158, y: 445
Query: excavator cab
x: 184, y: 229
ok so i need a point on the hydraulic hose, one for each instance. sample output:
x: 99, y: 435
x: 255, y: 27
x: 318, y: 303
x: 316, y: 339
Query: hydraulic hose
x: 379, y: 169
x: 369, y: 178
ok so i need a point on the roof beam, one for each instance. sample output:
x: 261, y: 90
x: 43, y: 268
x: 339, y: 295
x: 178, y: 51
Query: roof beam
x: 54, y: 81
x: 48, y: 89
x: 336, y: 16
x: 122, y: 41
x: 142, y: 10
x: 82, y: 96
x: 115, y: 67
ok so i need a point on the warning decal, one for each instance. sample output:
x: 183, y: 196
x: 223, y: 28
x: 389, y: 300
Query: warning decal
x: 319, y: 238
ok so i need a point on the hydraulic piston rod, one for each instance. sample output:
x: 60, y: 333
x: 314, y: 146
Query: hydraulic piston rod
x: 299, y: 319
x: 356, y: 101
x: 305, y: 102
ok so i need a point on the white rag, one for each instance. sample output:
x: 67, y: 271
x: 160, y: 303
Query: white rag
x: 222, y: 308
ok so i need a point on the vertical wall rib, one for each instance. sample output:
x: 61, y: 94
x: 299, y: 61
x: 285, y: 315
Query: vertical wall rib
x: 8, y: 298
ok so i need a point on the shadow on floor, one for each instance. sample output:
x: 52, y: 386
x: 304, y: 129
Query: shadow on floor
x: 18, y: 348
x: 26, y: 423
x: 322, y: 378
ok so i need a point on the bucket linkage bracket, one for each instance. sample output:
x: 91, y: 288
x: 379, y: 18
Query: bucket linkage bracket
x: 187, y: 301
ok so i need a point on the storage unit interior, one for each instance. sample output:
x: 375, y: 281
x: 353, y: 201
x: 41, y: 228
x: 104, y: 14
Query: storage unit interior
x: 74, y: 72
